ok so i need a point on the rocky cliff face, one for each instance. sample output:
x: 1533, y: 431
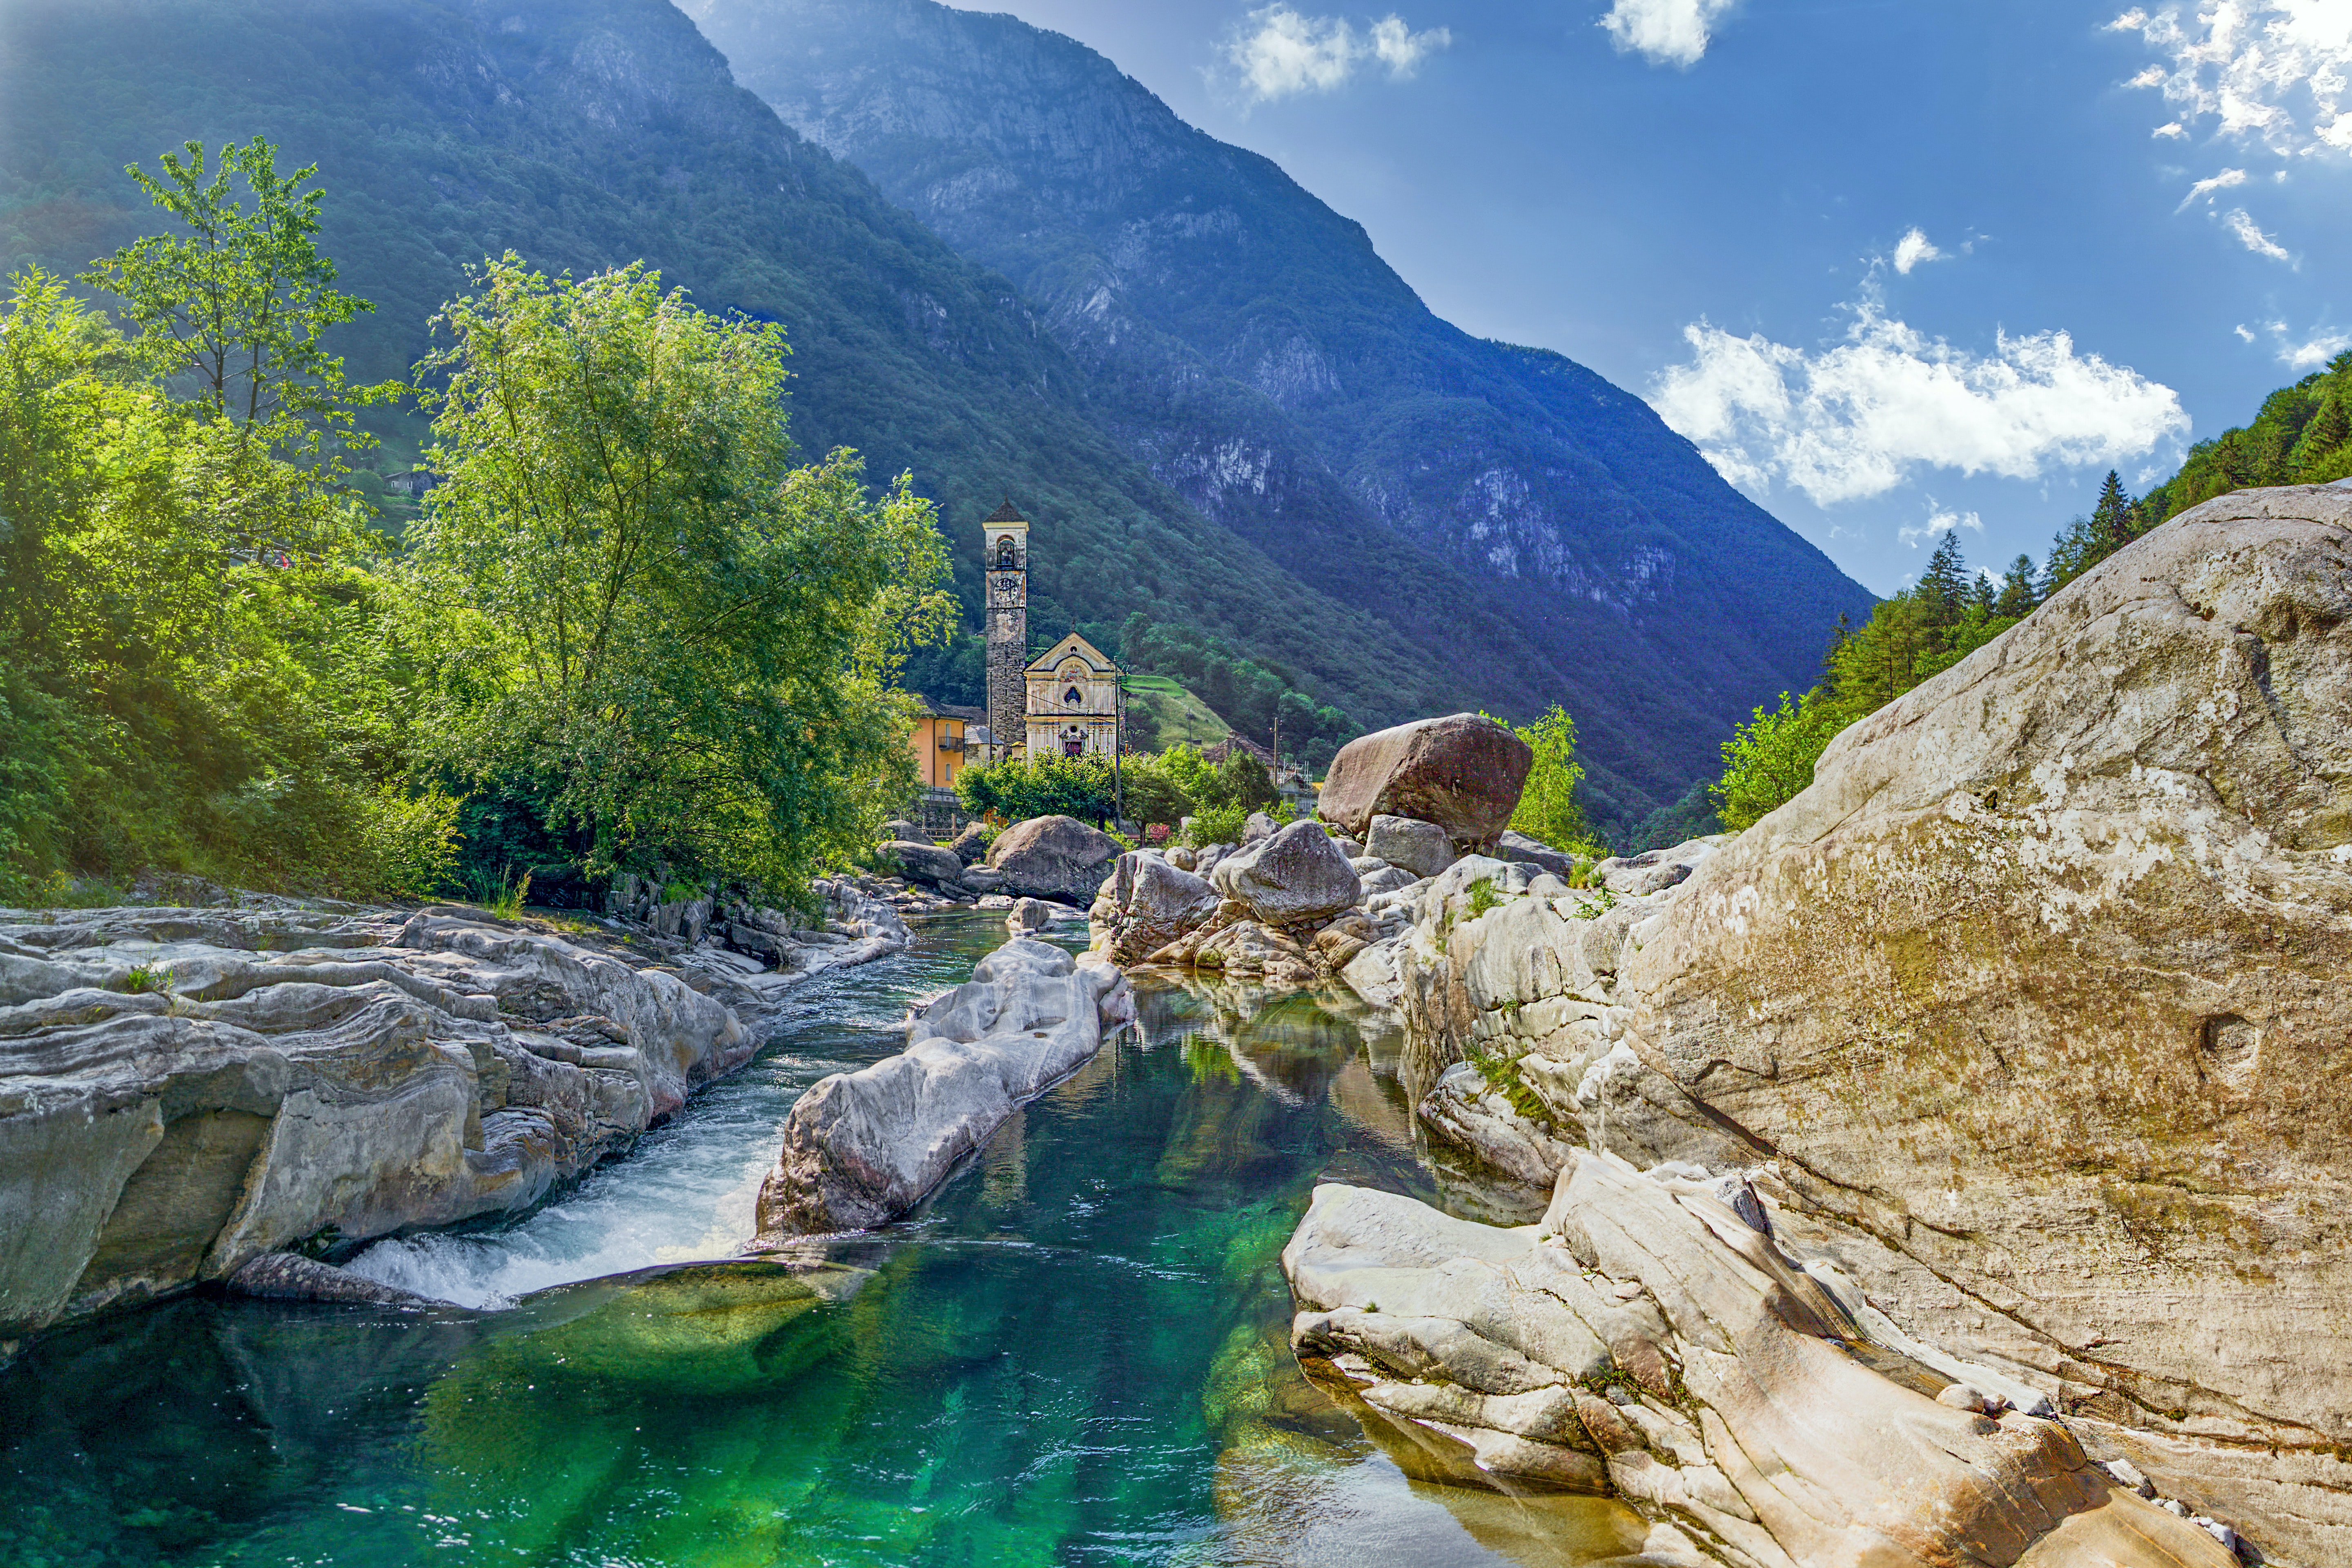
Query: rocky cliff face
x: 1547, y: 529
x: 2030, y: 1007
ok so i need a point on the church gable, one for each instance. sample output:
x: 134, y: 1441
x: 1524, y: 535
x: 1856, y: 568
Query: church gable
x: 1073, y: 656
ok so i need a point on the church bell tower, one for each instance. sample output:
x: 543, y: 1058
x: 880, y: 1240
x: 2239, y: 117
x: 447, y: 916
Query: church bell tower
x: 1005, y: 541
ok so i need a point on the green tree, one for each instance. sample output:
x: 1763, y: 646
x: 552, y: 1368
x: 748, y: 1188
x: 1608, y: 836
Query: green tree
x: 1549, y: 811
x: 240, y: 303
x: 1023, y: 787
x: 1769, y: 759
x: 2111, y: 515
x: 639, y: 611
x: 2016, y: 598
x: 1944, y: 585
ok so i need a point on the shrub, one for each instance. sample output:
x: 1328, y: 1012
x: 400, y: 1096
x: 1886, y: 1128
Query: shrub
x: 1217, y: 825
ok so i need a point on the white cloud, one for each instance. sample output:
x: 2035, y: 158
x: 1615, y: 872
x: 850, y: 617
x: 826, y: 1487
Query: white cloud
x: 1280, y: 52
x: 1913, y: 248
x: 1664, y: 32
x: 1854, y: 420
x: 2220, y: 182
x: 2310, y: 354
x: 2245, y: 333
x: 1402, y: 49
x: 1940, y: 521
x: 2251, y: 235
x: 2276, y: 71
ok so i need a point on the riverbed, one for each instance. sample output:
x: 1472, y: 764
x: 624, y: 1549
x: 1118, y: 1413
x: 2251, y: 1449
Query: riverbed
x: 1077, y: 1354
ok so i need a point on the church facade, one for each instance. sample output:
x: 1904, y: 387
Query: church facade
x: 1073, y: 704
x: 1066, y: 702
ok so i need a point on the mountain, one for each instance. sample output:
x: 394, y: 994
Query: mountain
x: 1538, y: 530
x: 585, y: 134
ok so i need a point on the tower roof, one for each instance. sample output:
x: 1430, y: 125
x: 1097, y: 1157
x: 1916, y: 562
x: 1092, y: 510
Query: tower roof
x: 1004, y: 513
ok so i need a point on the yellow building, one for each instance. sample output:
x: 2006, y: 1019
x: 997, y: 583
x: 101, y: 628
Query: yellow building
x: 1074, y: 702
x: 941, y: 749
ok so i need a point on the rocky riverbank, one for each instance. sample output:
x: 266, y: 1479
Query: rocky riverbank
x: 2019, y: 1019
x: 185, y: 1090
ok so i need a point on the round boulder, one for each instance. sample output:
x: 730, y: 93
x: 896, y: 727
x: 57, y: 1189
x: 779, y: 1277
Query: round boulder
x: 1053, y: 857
x: 1462, y: 772
x: 1296, y: 878
x: 925, y: 863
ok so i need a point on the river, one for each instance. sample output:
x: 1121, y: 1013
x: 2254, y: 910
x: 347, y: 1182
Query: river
x: 1077, y: 1355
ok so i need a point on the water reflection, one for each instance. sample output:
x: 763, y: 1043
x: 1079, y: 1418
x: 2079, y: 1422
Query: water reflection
x: 1078, y: 1354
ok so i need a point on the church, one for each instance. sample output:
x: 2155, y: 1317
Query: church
x: 1066, y: 702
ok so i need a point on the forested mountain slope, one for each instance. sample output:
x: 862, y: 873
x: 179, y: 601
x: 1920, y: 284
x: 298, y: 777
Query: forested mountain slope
x: 1251, y: 345
x: 584, y: 133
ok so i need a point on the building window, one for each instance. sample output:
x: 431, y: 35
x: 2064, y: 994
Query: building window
x: 1073, y: 698
x: 1005, y: 561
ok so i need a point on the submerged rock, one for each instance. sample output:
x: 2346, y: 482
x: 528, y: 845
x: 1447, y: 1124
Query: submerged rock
x: 861, y: 1149
x: 1645, y: 1341
x: 290, y: 1277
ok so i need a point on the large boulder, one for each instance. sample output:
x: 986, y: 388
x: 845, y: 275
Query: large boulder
x: 1053, y: 857
x: 1651, y: 1340
x: 925, y: 863
x: 2038, y: 992
x: 861, y: 1149
x: 1464, y: 773
x: 2051, y: 956
x: 1296, y: 878
x: 1148, y: 903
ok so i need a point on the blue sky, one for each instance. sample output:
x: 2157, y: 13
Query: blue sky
x: 2126, y: 223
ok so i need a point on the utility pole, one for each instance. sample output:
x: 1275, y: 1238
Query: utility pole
x: 1118, y: 740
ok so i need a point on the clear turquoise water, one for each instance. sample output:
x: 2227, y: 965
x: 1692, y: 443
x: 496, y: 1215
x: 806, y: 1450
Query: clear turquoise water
x: 1077, y: 1355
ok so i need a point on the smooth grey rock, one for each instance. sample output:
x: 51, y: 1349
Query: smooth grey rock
x: 1297, y: 877
x: 1481, y: 1349
x: 2113, y: 846
x: 1257, y: 827
x: 1054, y: 858
x: 1656, y: 870
x: 1181, y: 855
x: 924, y: 862
x: 1028, y: 915
x: 861, y: 1149
x: 361, y: 1070
x: 1347, y: 847
x: 980, y: 879
x: 1516, y: 845
x: 290, y: 1277
x: 1423, y: 849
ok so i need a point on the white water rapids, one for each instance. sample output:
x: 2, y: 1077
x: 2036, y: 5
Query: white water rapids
x: 685, y: 1192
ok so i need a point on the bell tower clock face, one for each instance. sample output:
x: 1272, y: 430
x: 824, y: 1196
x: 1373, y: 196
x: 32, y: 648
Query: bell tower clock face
x: 1008, y: 587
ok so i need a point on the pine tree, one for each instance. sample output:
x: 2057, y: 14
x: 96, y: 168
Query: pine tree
x: 1943, y: 586
x: 2016, y: 597
x: 2330, y: 429
x: 2111, y: 520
